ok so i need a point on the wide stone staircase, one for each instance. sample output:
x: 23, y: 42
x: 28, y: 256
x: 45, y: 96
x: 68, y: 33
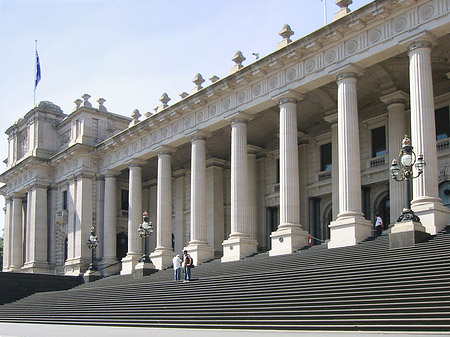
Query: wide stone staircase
x: 366, y: 287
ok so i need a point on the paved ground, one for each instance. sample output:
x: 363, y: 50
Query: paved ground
x: 42, y: 330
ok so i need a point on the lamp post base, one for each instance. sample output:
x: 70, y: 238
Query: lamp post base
x: 143, y: 269
x: 406, y: 234
x: 91, y: 276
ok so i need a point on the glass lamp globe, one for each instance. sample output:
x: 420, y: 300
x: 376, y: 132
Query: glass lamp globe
x: 407, y: 159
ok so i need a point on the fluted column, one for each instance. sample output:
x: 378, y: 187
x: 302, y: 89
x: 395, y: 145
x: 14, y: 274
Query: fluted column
x: 198, y: 246
x: 395, y: 103
x: 350, y: 226
x: 36, y: 245
x: 7, y: 236
x: 110, y: 222
x: 289, y: 236
x: 333, y: 120
x: 239, y: 243
x: 163, y: 254
x: 426, y: 202
x: 252, y: 193
x: 134, y: 218
x: 16, y: 234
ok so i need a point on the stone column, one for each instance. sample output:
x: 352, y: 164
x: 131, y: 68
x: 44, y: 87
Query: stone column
x: 252, y: 191
x: 163, y: 254
x: 289, y: 236
x: 36, y: 245
x: 110, y: 224
x: 333, y: 120
x: 395, y: 103
x: 198, y: 246
x: 134, y: 218
x: 16, y: 234
x: 179, y: 229
x: 52, y: 239
x: 215, y: 217
x: 426, y: 202
x: 79, y: 224
x: 350, y: 227
x: 7, y: 236
x: 239, y: 243
x: 261, y: 203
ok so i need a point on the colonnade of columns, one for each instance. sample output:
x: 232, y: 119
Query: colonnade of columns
x: 349, y: 228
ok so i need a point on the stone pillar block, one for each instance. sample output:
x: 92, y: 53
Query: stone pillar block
x: 405, y: 234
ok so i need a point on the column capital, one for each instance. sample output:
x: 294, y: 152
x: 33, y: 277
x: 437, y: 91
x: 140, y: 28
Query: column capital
x: 111, y: 173
x: 288, y: 96
x: 165, y: 150
x: 396, y: 97
x: 239, y: 120
x: 331, y: 118
x: 199, y: 134
x: 348, y: 71
x: 17, y: 195
x: 179, y: 173
x: 253, y: 149
x: 210, y: 162
x: 136, y: 163
x: 421, y: 40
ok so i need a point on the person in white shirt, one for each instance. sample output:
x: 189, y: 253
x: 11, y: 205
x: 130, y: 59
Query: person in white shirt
x: 176, y: 267
x: 379, y: 225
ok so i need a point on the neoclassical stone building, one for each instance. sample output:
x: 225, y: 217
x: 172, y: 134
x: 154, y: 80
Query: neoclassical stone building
x: 297, y: 143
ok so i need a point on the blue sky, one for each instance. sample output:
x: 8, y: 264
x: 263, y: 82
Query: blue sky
x: 131, y: 51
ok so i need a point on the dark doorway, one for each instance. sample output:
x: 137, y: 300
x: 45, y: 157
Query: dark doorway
x: 121, y: 245
x: 272, y: 223
x: 383, y: 210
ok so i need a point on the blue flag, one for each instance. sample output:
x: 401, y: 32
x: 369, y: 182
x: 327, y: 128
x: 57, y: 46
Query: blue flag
x: 38, y: 71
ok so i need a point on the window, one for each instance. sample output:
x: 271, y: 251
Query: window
x: 379, y: 142
x: 64, y: 200
x: 325, y: 157
x: 442, y: 123
x: 124, y: 200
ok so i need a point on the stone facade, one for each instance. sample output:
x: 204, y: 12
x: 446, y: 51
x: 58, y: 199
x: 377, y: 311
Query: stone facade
x: 295, y: 145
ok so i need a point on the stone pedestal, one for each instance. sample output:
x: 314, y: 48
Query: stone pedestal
x: 36, y: 268
x: 129, y: 262
x: 349, y: 231
x: 144, y: 269
x: 91, y: 276
x: 405, y: 234
x: 200, y: 252
x: 288, y: 240
x: 432, y: 213
x: 162, y: 258
x: 109, y: 267
x: 237, y: 248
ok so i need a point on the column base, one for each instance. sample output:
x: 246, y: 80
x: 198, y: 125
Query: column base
x: 91, y: 276
x: 129, y: 263
x: 433, y: 215
x: 36, y: 268
x: 237, y: 248
x: 144, y: 269
x: 75, y: 267
x: 288, y: 239
x: 162, y: 258
x: 200, y: 252
x: 348, y: 230
x: 109, y: 266
x: 406, y: 234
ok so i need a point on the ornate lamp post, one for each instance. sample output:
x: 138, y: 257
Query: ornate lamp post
x: 145, y: 230
x: 92, y: 243
x: 403, y: 170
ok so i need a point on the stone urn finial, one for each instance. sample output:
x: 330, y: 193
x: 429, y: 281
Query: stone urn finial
x: 77, y: 103
x: 135, y: 115
x: 238, y: 58
x: 198, y: 80
x: 101, y: 107
x: 184, y: 94
x: 214, y: 78
x: 344, y: 10
x: 86, y: 102
x: 164, y: 100
x: 286, y: 34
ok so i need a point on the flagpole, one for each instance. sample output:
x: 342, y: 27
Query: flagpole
x: 325, y: 11
x: 35, y: 72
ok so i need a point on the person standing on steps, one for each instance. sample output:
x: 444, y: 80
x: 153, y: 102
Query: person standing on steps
x: 378, y: 225
x: 188, y: 264
x: 177, y: 267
